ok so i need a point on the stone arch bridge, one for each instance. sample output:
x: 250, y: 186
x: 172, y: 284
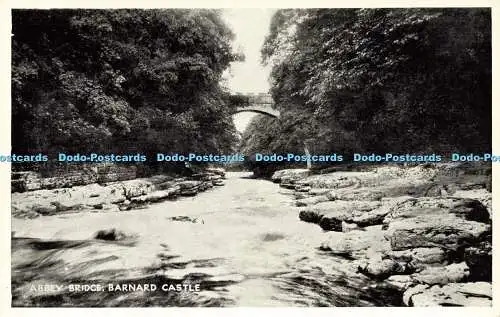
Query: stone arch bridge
x: 260, y: 103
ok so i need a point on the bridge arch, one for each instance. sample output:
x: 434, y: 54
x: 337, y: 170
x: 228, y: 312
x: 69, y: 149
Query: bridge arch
x: 261, y: 110
x: 262, y: 104
x: 258, y: 103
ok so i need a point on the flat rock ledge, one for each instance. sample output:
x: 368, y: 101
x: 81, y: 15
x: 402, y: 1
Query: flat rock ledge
x: 114, y: 196
x: 424, y: 231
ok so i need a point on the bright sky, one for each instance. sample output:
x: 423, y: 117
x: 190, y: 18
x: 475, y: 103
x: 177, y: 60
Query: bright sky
x: 250, y: 27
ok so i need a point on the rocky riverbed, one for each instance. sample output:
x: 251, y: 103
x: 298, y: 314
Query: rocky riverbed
x: 112, y: 196
x: 388, y: 236
x: 424, y: 231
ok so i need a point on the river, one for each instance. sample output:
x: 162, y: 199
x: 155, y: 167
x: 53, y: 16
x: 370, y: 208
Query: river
x: 245, y: 245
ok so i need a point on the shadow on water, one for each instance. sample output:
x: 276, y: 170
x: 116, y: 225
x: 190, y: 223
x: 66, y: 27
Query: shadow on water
x: 315, y: 288
x: 42, y: 264
x: 39, y: 262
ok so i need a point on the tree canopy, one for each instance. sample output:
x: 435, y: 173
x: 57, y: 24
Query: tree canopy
x: 120, y: 80
x: 379, y: 80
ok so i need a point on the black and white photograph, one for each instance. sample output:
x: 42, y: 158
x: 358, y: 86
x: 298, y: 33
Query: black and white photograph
x: 251, y: 157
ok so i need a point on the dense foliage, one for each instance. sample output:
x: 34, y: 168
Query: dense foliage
x: 120, y: 81
x: 378, y: 80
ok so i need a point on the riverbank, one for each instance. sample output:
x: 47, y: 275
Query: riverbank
x: 424, y: 231
x: 112, y: 196
x: 242, y: 243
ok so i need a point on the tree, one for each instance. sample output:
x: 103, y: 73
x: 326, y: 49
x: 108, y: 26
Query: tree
x: 120, y: 81
x: 383, y: 80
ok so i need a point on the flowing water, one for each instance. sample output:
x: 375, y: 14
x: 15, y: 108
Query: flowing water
x: 243, y: 243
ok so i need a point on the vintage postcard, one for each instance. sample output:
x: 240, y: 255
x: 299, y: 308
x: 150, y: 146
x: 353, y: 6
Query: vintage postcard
x: 250, y: 156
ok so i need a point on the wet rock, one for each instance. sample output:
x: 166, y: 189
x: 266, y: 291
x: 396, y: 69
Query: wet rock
x: 330, y: 215
x: 332, y: 223
x: 453, y: 294
x: 456, y: 272
x: 310, y: 216
x: 110, y: 235
x: 381, y: 268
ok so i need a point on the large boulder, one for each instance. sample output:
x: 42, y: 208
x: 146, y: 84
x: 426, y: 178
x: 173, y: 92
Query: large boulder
x: 330, y: 215
x: 448, y: 232
x: 376, y: 216
x: 380, y: 269
x: 464, y: 208
x: 362, y: 193
x: 419, y: 258
x: 453, y: 294
x: 482, y: 195
x: 448, y: 223
x: 357, y: 244
x: 289, y: 175
x: 442, y: 275
x: 111, y: 235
